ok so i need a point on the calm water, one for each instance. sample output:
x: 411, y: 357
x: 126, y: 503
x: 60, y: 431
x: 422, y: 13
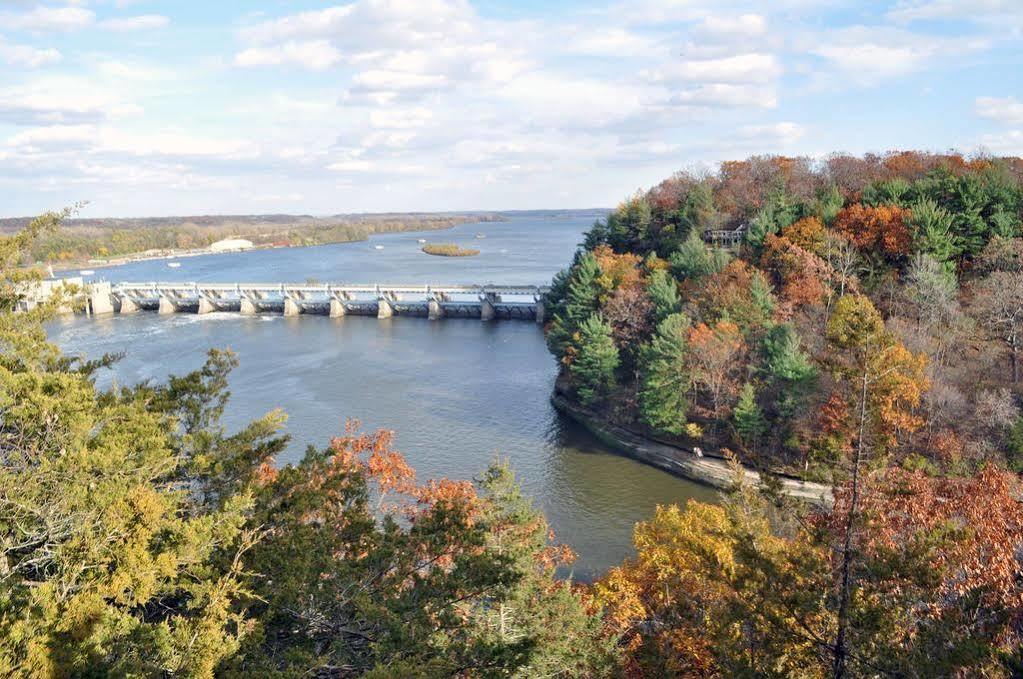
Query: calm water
x: 457, y: 392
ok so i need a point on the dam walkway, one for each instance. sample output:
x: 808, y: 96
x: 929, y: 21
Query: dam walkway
x: 486, y: 302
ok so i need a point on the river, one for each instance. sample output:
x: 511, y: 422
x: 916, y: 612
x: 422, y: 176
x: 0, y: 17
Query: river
x: 458, y: 393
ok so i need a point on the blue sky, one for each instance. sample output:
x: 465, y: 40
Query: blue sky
x: 144, y: 107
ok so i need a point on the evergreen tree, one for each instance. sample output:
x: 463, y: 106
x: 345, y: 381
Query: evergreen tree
x: 664, y: 398
x: 697, y: 212
x: 663, y: 293
x: 593, y: 370
x: 122, y: 524
x: 778, y: 212
x: 596, y: 236
x: 748, y: 418
x: 827, y: 204
x: 581, y: 299
x: 932, y: 230
x: 895, y: 191
x: 695, y: 259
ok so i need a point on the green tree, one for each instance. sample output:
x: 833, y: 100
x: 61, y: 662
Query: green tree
x: 386, y: 577
x: 112, y: 566
x: 694, y: 259
x: 663, y: 293
x: 664, y: 397
x: 931, y: 228
x: 748, y: 418
x: 593, y: 370
x: 778, y: 212
x: 581, y: 299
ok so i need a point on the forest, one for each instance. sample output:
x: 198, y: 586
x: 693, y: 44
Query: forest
x: 861, y: 328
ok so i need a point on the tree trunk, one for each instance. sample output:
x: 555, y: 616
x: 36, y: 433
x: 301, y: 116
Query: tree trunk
x: 841, y: 652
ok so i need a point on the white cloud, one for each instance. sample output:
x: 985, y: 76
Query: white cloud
x: 744, y: 25
x: 1007, y: 110
x: 1009, y: 142
x: 62, y: 100
x: 315, y: 55
x: 351, y: 166
x: 27, y: 55
x: 48, y: 19
x: 868, y: 54
x: 926, y: 10
x: 135, y: 23
x: 741, y: 68
x: 721, y: 95
x: 775, y: 134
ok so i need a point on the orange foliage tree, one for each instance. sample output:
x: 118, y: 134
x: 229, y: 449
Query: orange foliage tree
x: 881, y: 229
x: 801, y: 276
x: 716, y: 354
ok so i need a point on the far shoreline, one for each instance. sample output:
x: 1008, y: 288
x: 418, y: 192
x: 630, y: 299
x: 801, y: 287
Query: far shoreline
x: 64, y: 267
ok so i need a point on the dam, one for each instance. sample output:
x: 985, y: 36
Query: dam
x: 485, y: 302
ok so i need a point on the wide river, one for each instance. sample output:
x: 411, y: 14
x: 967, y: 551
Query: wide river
x: 458, y: 393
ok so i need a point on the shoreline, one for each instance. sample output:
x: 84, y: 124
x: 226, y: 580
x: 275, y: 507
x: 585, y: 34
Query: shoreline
x: 714, y: 472
x: 201, y: 252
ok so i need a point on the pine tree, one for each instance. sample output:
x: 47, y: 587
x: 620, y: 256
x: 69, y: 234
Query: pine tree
x: 664, y: 398
x: 748, y: 418
x: 663, y: 292
x: 580, y: 300
x: 694, y: 259
x: 593, y: 370
x: 932, y: 230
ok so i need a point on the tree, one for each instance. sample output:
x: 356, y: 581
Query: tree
x: 630, y: 312
x: 777, y: 213
x: 694, y: 259
x: 748, y: 418
x: 663, y: 292
x: 999, y: 305
x: 931, y: 291
x: 885, y: 383
x: 581, y: 299
x: 876, y: 229
x: 808, y: 233
x: 389, y: 577
x: 715, y: 353
x: 593, y: 370
x: 931, y: 228
x: 664, y: 398
x: 739, y: 293
x: 109, y: 566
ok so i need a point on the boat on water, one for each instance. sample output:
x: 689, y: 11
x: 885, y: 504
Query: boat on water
x: 86, y: 272
x: 421, y: 240
x: 173, y: 265
x: 480, y: 235
x: 379, y: 247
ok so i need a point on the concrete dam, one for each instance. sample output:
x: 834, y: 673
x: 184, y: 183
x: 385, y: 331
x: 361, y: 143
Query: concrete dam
x: 485, y: 302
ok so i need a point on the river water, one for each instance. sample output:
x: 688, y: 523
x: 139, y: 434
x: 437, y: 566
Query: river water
x: 458, y: 393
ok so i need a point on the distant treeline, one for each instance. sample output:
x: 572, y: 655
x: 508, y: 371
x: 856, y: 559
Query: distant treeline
x: 83, y: 239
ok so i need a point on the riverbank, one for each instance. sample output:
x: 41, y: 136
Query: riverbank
x: 715, y: 472
x: 91, y: 244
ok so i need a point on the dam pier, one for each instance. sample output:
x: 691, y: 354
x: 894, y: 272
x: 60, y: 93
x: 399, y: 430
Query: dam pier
x: 485, y: 302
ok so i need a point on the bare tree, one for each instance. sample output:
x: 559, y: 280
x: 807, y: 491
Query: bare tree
x: 999, y: 307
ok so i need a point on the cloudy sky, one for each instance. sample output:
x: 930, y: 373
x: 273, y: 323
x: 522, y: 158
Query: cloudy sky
x: 144, y: 107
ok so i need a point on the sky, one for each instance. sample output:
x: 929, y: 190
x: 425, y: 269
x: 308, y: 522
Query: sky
x: 153, y: 108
